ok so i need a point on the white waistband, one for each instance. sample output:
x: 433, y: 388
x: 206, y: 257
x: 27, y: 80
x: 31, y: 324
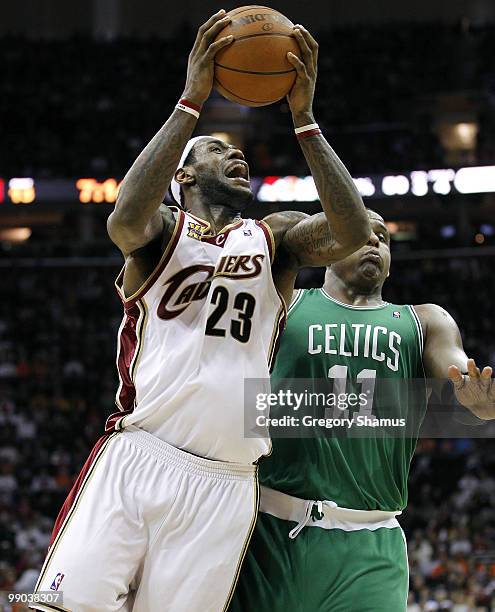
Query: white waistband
x: 324, y: 514
x: 169, y: 454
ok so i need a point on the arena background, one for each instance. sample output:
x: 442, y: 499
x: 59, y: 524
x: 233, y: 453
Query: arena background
x: 406, y: 95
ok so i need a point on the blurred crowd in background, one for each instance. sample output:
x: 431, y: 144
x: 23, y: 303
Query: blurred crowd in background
x: 374, y: 99
x: 57, y: 385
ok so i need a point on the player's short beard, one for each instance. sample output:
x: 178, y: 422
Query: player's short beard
x: 215, y: 192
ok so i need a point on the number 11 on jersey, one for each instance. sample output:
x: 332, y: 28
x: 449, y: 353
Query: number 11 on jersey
x: 366, y: 378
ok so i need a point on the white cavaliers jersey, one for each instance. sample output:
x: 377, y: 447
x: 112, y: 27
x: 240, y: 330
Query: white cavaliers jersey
x: 207, y: 318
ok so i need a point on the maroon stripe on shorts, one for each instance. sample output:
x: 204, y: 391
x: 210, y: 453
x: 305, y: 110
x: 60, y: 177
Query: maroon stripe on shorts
x: 69, y: 502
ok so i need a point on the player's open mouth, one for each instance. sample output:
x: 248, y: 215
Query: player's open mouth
x: 238, y: 171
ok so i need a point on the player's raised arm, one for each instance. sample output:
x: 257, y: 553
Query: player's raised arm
x: 136, y: 219
x: 444, y: 356
x: 344, y: 227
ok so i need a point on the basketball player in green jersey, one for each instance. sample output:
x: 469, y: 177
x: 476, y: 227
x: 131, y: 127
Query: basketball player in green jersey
x: 348, y: 554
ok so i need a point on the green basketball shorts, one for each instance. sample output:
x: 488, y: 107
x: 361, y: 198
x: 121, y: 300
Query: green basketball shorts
x: 322, y: 570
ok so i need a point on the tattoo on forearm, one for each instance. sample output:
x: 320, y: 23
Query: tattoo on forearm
x: 335, y: 186
x: 340, y: 199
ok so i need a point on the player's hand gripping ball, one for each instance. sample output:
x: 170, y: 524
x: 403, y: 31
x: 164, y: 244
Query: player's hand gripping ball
x: 254, y: 69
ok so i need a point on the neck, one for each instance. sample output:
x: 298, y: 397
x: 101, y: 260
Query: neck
x: 217, y: 216
x: 352, y: 294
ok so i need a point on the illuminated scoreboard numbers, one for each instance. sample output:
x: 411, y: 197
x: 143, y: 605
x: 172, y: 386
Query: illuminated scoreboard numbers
x: 21, y: 191
x: 288, y: 189
x: 395, y: 185
x: 365, y: 186
x: 93, y: 191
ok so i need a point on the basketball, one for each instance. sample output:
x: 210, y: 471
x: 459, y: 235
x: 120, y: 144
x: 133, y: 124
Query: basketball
x: 254, y: 69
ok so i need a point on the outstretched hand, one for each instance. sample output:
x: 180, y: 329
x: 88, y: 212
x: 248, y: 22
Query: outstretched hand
x: 301, y: 95
x: 475, y: 390
x: 200, y: 67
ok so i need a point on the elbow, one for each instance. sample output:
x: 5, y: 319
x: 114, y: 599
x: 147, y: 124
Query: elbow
x: 115, y: 221
x: 124, y: 214
x: 122, y: 208
x: 114, y: 225
x: 120, y: 224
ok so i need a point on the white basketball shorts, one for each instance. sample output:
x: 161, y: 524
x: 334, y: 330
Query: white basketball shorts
x: 150, y: 528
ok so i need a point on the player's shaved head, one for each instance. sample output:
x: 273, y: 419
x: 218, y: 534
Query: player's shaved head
x: 372, y: 214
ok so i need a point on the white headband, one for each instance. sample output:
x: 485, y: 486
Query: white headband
x: 174, y: 186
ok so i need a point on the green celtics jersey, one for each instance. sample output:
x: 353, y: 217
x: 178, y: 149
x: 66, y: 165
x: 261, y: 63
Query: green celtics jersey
x: 375, y: 352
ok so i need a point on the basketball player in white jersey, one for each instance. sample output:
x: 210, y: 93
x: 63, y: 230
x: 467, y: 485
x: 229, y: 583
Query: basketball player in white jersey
x: 162, y: 512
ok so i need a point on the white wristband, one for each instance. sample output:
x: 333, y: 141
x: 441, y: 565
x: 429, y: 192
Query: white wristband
x: 306, y: 128
x: 187, y: 109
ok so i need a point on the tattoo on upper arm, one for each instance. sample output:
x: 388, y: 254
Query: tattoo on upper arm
x: 312, y: 237
x: 314, y: 233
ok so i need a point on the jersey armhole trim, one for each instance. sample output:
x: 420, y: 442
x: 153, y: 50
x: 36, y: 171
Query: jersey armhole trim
x: 419, y: 328
x: 165, y: 258
x: 278, y: 328
x: 269, y: 238
x: 295, y: 300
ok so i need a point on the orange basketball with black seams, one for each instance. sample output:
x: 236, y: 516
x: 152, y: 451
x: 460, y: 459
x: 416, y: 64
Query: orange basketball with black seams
x: 254, y: 69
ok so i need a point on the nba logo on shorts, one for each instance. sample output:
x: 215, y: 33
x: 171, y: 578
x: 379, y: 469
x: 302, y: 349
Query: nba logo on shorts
x: 56, y: 582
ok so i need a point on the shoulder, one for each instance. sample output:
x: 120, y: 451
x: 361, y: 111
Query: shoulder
x: 434, y: 317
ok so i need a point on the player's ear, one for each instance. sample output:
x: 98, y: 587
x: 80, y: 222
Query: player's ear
x: 185, y: 176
